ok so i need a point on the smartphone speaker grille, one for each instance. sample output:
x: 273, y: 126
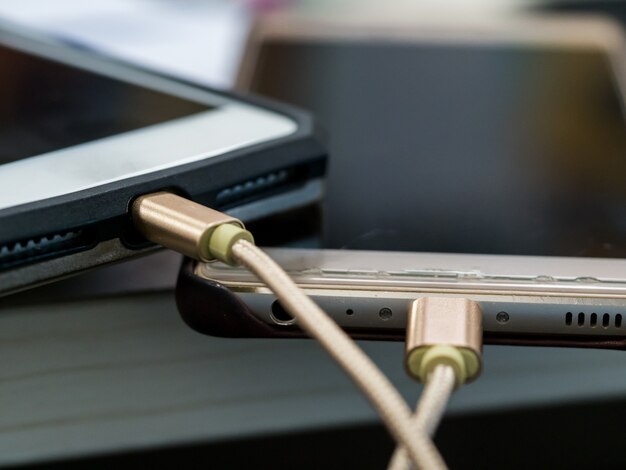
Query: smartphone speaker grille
x: 48, y: 246
x: 593, y: 320
x: 251, y: 187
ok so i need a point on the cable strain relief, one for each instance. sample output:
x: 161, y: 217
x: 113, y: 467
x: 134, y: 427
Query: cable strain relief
x: 464, y: 362
x: 222, y: 240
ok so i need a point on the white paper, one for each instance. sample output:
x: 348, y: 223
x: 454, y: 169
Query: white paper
x: 198, y: 40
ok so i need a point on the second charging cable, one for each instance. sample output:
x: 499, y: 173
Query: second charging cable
x: 443, y: 351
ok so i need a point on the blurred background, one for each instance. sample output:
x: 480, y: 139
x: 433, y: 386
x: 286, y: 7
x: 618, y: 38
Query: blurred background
x: 100, y: 370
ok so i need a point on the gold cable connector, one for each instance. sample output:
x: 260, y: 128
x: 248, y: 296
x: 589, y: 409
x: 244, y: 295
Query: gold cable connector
x: 443, y: 351
x: 187, y: 227
x: 204, y: 234
x: 444, y: 330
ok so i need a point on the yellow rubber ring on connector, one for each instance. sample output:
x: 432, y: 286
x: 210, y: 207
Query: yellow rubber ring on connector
x: 422, y: 361
x: 222, y: 240
x: 447, y: 355
x: 472, y: 363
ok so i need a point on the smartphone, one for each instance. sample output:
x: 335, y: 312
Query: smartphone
x: 82, y: 136
x: 498, y: 150
x: 525, y: 300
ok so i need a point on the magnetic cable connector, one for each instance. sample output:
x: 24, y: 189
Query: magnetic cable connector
x: 444, y: 330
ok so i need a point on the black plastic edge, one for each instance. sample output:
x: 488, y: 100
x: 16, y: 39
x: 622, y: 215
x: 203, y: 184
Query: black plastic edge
x: 105, y: 207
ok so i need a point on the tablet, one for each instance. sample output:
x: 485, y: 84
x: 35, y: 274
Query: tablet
x: 82, y: 136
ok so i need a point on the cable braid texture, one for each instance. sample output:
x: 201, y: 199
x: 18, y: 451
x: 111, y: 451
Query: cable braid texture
x: 430, y: 410
x: 384, y: 397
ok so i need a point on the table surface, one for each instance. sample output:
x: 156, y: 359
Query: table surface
x: 118, y: 373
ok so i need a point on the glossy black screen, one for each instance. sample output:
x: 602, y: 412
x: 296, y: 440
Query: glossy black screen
x: 46, y: 106
x: 463, y: 148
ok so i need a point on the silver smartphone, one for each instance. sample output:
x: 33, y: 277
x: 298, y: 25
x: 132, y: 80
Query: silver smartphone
x: 496, y: 151
x: 369, y: 291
